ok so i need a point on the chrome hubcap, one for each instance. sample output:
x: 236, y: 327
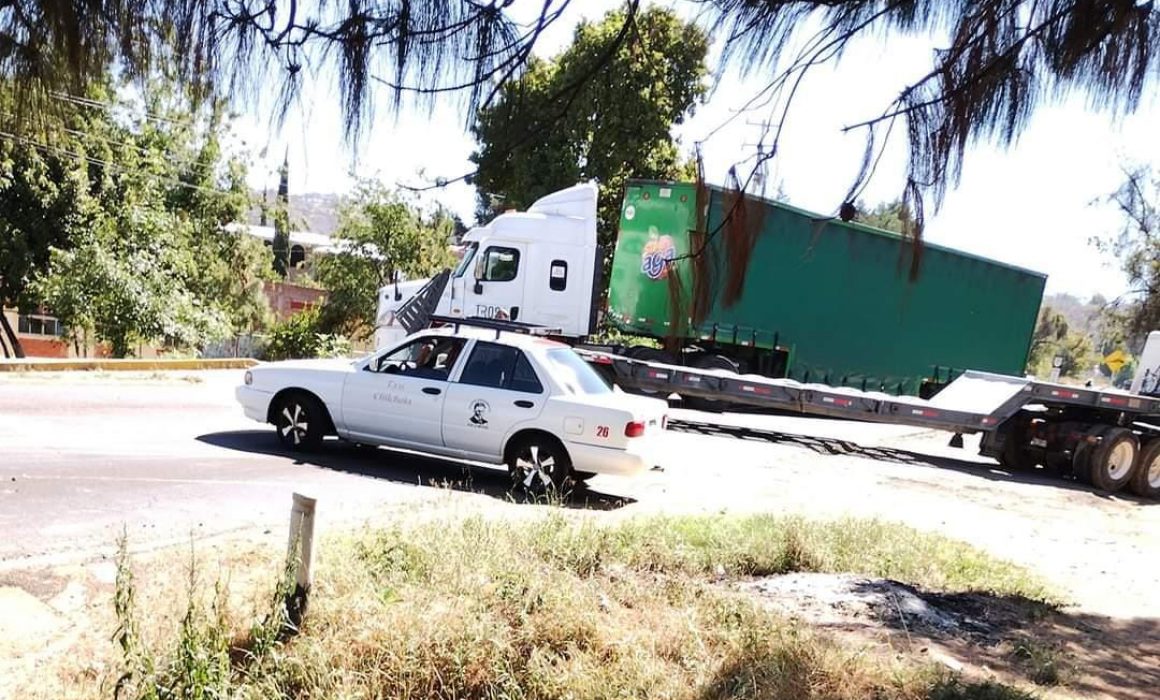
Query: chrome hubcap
x: 294, y: 424
x: 1120, y: 460
x: 535, y: 468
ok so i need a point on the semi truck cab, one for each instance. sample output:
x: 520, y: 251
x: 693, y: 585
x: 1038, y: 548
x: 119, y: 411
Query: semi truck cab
x: 540, y: 267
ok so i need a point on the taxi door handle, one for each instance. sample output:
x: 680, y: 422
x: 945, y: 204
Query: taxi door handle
x: 431, y: 390
x: 525, y: 404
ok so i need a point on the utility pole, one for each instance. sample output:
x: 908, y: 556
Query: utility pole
x: 761, y: 174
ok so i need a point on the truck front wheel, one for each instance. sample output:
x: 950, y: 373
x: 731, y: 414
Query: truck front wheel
x: 1112, y: 461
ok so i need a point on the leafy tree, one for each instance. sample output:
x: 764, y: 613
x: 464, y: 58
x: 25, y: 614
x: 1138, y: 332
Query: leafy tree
x: 999, y: 61
x: 1050, y: 329
x: 619, y: 125
x: 299, y: 337
x: 43, y: 198
x: 281, y: 247
x: 241, y: 265
x: 381, y: 235
x: 1054, y: 338
x: 122, y: 282
x: 152, y: 261
x: 890, y: 216
x: 1137, y: 246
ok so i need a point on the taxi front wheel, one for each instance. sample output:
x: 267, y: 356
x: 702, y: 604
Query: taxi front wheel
x: 300, y: 420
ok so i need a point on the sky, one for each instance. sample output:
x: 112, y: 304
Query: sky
x: 1036, y: 204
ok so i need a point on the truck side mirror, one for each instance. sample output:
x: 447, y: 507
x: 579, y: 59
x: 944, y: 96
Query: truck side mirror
x: 480, y: 273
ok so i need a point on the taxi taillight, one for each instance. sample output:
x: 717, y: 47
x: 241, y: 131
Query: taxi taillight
x: 634, y: 429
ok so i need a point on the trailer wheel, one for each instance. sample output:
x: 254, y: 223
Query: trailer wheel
x: 1081, y: 463
x: 1081, y: 458
x: 1146, y: 481
x: 646, y: 354
x: 1113, y: 459
x: 1014, y: 456
x: 708, y: 361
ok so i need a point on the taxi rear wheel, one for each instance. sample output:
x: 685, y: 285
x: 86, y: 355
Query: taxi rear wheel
x: 539, y: 464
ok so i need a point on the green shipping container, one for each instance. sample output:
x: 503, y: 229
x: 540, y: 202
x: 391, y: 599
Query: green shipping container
x: 837, y: 296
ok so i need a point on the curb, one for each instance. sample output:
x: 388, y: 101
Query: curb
x: 131, y: 365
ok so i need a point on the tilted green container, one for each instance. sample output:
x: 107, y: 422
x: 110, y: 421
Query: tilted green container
x: 837, y: 295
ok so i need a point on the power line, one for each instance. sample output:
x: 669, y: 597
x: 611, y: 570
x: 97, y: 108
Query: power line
x: 98, y: 161
x: 99, y: 104
x: 75, y: 132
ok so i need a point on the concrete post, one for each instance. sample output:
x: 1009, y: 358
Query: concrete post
x: 300, y: 552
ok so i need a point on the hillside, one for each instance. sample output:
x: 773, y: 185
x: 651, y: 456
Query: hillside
x: 1081, y: 315
x: 313, y: 211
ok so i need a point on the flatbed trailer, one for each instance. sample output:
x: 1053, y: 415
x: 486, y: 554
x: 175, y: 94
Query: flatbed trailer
x: 1105, y: 437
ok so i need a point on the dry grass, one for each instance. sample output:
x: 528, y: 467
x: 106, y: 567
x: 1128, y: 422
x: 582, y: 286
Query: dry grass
x: 555, y: 607
x: 1045, y: 663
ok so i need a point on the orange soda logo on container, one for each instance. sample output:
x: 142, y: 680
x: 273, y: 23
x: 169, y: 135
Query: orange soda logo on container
x: 658, y: 252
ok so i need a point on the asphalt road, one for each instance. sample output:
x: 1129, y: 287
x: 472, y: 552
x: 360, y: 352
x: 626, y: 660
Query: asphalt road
x: 84, y: 458
x: 167, y: 457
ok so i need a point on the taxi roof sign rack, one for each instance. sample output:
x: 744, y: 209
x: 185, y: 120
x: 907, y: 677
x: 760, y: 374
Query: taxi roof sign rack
x: 498, y: 325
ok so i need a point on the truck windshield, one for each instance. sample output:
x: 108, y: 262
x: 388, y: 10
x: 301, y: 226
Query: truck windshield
x: 575, y: 374
x: 465, y: 261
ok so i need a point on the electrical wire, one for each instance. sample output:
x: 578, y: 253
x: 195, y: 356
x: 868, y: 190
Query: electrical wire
x: 104, y: 163
x: 99, y: 104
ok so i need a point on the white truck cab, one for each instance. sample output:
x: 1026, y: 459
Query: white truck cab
x: 538, y: 267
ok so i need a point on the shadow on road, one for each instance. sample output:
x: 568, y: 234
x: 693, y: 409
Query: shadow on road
x: 835, y: 446
x: 406, y: 468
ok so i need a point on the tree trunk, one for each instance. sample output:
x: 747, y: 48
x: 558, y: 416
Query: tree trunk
x: 120, y: 346
x: 17, y: 348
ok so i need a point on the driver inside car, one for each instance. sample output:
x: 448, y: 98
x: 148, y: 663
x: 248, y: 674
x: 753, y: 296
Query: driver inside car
x: 434, y: 361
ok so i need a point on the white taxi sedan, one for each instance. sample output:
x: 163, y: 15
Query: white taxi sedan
x: 466, y: 393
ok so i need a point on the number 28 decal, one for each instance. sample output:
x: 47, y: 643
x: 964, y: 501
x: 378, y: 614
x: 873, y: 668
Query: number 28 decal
x: 602, y: 431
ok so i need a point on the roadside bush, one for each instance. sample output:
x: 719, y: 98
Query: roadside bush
x: 614, y: 336
x: 298, y: 337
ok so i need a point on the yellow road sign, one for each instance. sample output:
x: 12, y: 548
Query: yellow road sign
x: 1116, y: 359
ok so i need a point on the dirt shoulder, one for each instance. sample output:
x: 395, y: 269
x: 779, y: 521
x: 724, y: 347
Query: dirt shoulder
x: 1099, y: 550
x: 981, y: 635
